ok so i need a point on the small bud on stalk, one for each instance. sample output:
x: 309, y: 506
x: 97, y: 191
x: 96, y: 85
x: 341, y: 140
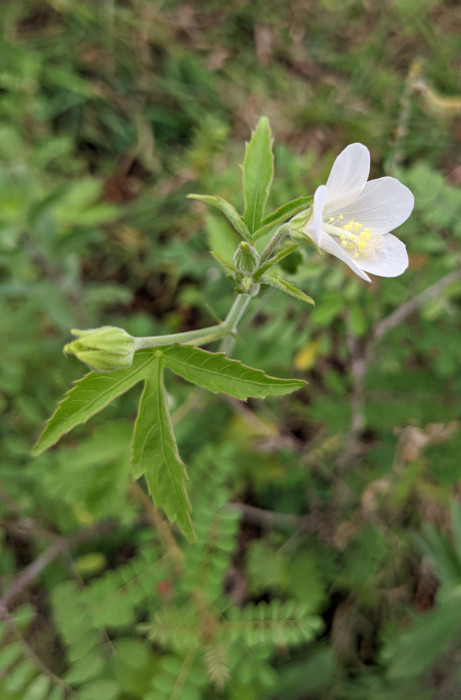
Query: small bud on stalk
x: 246, y: 259
x: 249, y: 286
x: 103, y: 349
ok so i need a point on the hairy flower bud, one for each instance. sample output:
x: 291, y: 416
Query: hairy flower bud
x: 246, y: 259
x: 104, y: 349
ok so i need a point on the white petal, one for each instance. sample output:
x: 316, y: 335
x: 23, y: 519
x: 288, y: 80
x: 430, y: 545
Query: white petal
x: 383, y: 205
x: 330, y: 246
x: 348, y: 176
x: 390, y: 258
x: 320, y: 197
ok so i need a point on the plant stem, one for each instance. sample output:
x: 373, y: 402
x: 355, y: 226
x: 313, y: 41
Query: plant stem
x: 236, y: 311
x: 204, y: 335
x: 282, y: 232
x: 228, y: 327
x: 232, y: 320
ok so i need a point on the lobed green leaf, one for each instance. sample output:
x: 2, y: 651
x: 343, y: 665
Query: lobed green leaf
x: 215, y: 372
x: 155, y: 453
x: 90, y: 395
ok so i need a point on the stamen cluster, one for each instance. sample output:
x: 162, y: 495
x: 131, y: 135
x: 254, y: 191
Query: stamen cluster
x: 353, y: 235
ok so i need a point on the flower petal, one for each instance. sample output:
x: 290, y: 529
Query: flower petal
x: 330, y: 246
x: 313, y: 228
x: 348, y: 176
x: 382, y: 205
x: 390, y: 259
x: 320, y: 197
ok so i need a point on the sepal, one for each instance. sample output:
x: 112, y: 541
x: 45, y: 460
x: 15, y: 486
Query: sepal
x: 297, y: 225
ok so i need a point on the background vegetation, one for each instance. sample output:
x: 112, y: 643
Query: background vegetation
x: 338, y: 502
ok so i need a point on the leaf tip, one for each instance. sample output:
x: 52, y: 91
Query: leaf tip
x: 187, y: 528
x: 193, y: 538
x: 36, y: 450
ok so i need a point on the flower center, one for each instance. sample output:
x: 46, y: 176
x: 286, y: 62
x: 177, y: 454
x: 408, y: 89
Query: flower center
x: 353, y: 235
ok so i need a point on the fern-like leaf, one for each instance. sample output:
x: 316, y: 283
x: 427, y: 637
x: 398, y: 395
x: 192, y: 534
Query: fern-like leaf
x: 271, y: 624
x: 216, y: 664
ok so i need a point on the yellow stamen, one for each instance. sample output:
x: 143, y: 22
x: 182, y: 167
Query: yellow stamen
x: 353, y: 235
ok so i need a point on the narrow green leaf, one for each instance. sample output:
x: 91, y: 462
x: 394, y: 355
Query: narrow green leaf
x: 228, y: 210
x: 215, y: 372
x: 287, y: 211
x: 275, y: 281
x: 413, y: 651
x: 258, y: 171
x: 276, y: 259
x: 90, y: 395
x: 443, y: 557
x: 222, y: 238
x: 227, y: 266
x: 155, y: 453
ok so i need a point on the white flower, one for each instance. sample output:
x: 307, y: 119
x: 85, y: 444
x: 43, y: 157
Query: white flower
x: 351, y: 217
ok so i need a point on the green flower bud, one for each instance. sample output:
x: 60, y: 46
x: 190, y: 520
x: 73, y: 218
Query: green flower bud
x: 246, y: 259
x: 249, y: 286
x: 104, y: 349
x: 297, y: 224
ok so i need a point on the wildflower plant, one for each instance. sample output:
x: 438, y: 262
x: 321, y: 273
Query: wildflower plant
x: 348, y: 217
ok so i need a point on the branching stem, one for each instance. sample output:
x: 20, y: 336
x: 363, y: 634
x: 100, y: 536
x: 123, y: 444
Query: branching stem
x: 228, y: 328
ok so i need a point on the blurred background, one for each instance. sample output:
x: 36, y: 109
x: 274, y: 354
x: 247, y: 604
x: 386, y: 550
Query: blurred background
x: 345, y: 495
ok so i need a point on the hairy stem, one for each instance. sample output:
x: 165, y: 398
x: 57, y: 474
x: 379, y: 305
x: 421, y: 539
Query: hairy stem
x: 236, y: 311
x: 282, y: 232
x: 203, y: 335
x: 232, y: 320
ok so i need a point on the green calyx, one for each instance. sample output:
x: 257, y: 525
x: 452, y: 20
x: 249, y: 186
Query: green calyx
x: 246, y: 259
x: 103, y: 349
x: 297, y: 224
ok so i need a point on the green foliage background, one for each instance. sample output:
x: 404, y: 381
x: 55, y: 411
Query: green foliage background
x: 338, y: 502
